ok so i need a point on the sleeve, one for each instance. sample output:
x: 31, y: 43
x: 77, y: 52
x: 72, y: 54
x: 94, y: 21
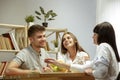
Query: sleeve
x: 60, y: 56
x: 100, y: 71
x: 101, y: 62
x: 84, y: 54
x: 20, y: 58
x: 80, y: 68
x: 86, y: 57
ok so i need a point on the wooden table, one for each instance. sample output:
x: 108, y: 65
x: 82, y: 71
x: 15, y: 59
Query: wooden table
x: 51, y: 76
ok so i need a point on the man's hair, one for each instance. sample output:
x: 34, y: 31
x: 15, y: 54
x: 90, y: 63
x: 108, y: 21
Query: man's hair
x: 35, y: 28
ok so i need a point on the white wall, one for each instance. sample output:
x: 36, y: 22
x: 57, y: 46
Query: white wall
x: 109, y: 10
x: 79, y: 16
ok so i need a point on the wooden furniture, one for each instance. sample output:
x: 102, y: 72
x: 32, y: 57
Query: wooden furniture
x: 3, y: 66
x: 57, y: 31
x: 7, y: 55
x: 6, y: 28
x: 51, y: 76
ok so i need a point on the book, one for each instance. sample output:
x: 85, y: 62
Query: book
x: 3, y: 66
x: 20, y: 38
x: 12, y: 39
x: 8, y: 43
x: 2, y: 43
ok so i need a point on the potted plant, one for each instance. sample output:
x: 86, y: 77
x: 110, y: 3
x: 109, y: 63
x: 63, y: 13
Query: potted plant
x: 47, y: 16
x: 29, y: 19
x: 55, y: 42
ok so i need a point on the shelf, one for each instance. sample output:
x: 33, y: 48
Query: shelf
x: 20, y: 31
x: 11, y: 26
x: 57, y: 29
x: 9, y: 51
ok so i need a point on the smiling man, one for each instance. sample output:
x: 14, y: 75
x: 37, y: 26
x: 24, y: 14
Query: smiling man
x: 31, y: 58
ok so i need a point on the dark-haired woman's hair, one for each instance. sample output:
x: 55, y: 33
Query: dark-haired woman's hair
x: 106, y: 34
x: 35, y: 28
x: 78, y: 47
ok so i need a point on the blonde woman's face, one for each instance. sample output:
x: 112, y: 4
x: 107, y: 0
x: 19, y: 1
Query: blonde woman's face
x: 95, y: 38
x: 68, y: 41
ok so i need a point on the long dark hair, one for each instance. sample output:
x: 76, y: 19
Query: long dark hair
x: 78, y: 47
x: 106, y: 34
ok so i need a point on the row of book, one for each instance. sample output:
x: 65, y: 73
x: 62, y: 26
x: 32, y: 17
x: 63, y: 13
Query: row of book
x: 3, y: 66
x: 8, y: 42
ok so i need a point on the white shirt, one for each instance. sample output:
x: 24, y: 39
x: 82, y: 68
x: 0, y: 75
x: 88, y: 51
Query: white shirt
x: 79, y: 59
x: 105, y: 65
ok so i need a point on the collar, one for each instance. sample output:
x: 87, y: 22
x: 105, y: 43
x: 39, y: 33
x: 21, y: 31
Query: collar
x: 33, y: 51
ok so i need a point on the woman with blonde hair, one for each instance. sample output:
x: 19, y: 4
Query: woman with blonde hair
x: 71, y: 51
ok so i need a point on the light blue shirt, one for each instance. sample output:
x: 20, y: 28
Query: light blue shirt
x: 30, y: 59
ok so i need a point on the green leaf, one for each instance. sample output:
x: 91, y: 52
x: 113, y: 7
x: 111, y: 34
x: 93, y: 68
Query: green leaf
x: 53, y: 14
x: 38, y: 17
x: 42, y: 10
x: 38, y: 13
x: 50, y: 19
x: 49, y: 15
x: 29, y: 18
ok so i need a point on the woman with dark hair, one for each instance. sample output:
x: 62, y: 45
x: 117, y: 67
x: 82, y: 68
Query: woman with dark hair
x: 71, y: 51
x: 105, y: 64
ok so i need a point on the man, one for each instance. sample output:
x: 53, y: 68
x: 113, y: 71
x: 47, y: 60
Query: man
x: 31, y: 58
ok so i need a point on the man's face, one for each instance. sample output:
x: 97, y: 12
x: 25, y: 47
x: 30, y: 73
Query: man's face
x: 38, y: 40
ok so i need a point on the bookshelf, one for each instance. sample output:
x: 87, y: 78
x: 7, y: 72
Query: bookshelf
x: 10, y: 35
x: 14, y: 31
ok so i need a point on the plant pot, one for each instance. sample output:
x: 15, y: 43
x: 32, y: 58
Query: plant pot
x: 56, y: 49
x: 45, y: 24
x: 30, y: 24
